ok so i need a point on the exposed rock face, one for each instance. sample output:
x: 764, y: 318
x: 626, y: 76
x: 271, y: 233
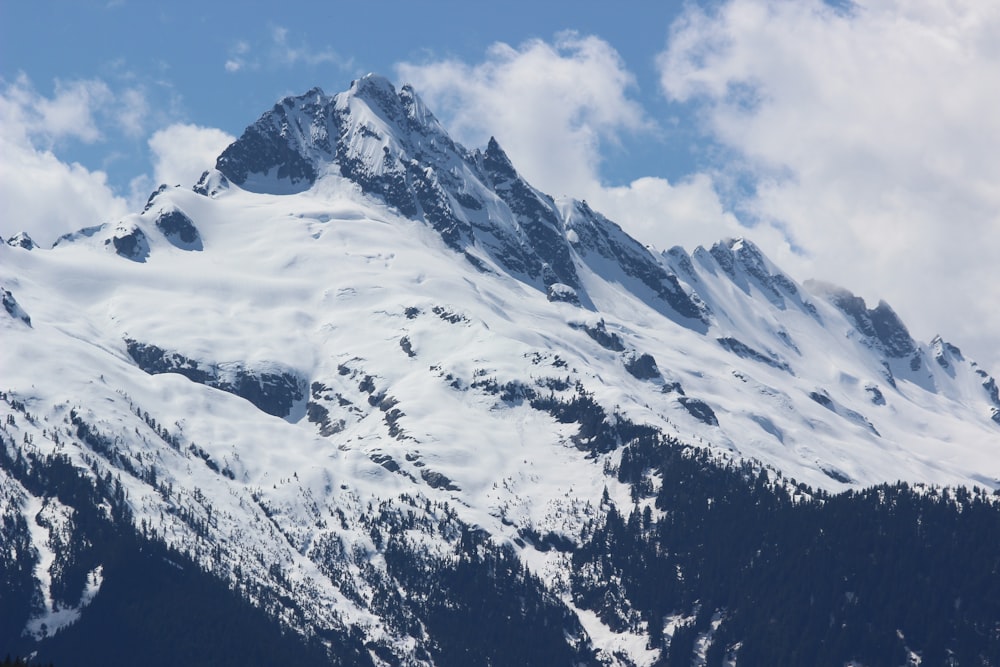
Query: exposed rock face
x: 609, y: 340
x: 879, y: 325
x: 272, y: 392
x: 699, y: 409
x: 642, y: 367
x: 271, y: 145
x: 12, y: 307
x: 179, y: 229
x: 823, y: 398
x: 743, y: 350
x: 891, y: 331
x: 131, y: 243
x: 537, y: 215
x: 22, y: 240
x: 153, y: 195
x: 563, y: 293
x: 747, y: 267
x: 211, y: 184
x: 615, y: 255
x: 877, y: 397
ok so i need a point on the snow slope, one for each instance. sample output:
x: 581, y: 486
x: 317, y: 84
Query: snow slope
x: 354, y: 311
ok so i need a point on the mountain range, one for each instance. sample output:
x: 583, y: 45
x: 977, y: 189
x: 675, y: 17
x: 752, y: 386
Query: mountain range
x: 362, y: 395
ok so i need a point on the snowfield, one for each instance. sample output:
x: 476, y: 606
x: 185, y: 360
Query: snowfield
x: 389, y: 362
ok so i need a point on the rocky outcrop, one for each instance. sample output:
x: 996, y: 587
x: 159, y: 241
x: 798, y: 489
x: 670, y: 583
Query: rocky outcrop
x: 272, y: 391
x: 179, y: 229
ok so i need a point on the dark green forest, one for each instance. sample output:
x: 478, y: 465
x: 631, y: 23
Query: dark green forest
x: 747, y: 565
x: 795, y: 576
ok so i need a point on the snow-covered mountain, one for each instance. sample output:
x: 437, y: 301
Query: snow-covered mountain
x: 356, y: 349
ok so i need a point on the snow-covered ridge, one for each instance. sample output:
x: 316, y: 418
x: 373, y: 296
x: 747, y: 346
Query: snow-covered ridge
x: 353, y: 312
x: 390, y: 145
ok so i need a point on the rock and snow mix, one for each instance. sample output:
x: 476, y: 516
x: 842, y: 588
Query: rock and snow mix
x: 261, y: 370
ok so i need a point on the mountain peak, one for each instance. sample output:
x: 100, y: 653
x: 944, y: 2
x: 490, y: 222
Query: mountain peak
x: 891, y: 330
x: 315, y: 92
x: 497, y: 162
x: 745, y: 264
x: 368, y: 128
x: 378, y: 94
x: 372, y: 85
x: 22, y: 240
x: 880, y: 325
x: 393, y: 147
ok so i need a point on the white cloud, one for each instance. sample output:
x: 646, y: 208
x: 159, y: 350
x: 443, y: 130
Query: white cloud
x: 664, y: 214
x: 47, y: 197
x: 549, y: 105
x: 180, y: 152
x: 69, y: 114
x: 872, y: 135
x: 79, y: 110
x: 41, y: 194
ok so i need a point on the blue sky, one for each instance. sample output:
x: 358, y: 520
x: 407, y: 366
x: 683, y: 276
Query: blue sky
x: 855, y: 143
x: 177, y: 54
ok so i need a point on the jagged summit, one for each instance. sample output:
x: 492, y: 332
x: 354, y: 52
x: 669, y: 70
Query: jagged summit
x: 399, y: 109
x: 392, y: 146
x: 880, y: 326
x: 369, y: 127
x: 746, y: 265
x: 497, y: 161
x: 22, y: 240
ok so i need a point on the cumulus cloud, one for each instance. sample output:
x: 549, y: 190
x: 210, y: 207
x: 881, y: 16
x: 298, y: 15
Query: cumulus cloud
x: 549, y: 105
x: 555, y: 108
x: 181, y: 152
x: 663, y: 214
x: 78, y: 110
x: 47, y: 196
x: 41, y: 194
x: 870, y: 134
x: 69, y: 114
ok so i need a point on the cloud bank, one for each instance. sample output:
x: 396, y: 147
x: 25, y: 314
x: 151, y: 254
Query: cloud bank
x: 182, y: 152
x: 46, y: 196
x: 871, y: 135
x: 41, y: 194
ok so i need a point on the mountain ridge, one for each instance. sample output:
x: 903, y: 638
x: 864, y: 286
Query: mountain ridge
x: 425, y: 174
x: 356, y: 353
